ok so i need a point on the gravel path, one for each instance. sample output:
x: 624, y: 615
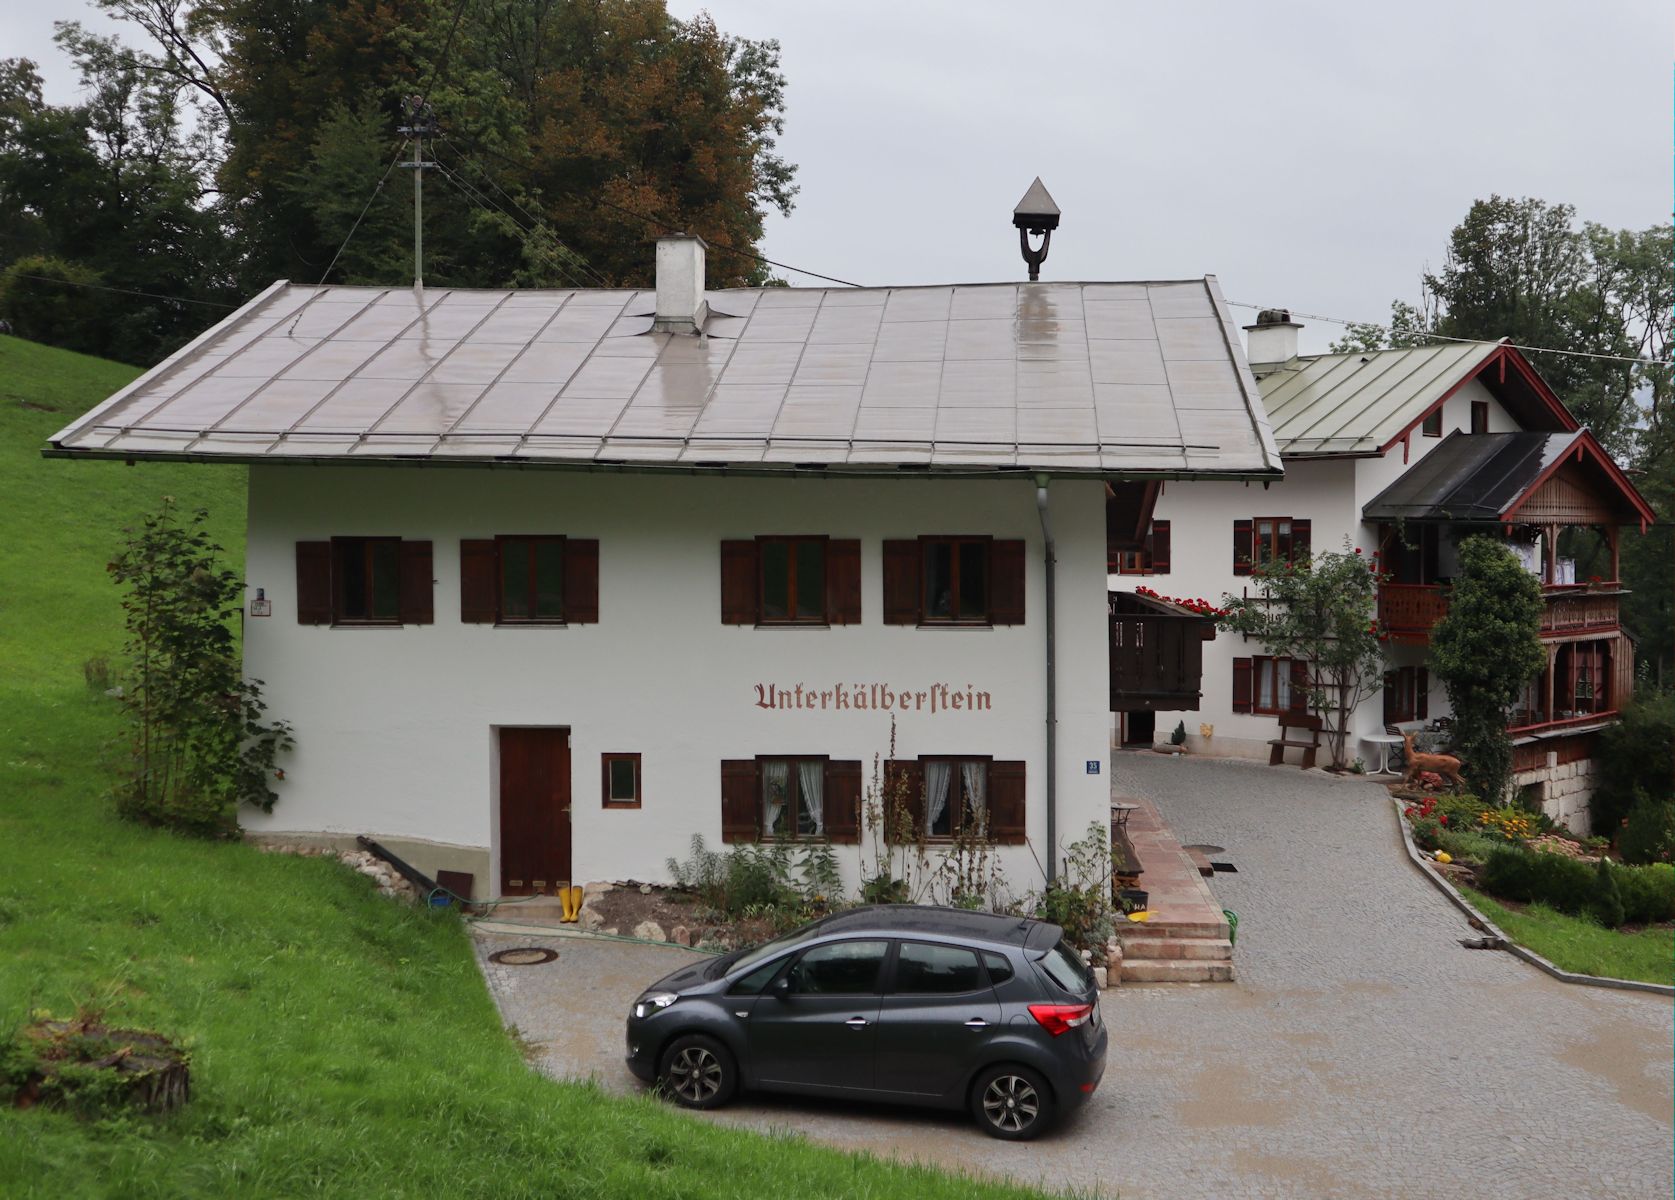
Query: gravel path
x: 1362, y: 1052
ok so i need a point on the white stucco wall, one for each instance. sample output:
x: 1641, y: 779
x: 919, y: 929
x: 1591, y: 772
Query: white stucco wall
x: 395, y: 727
x: 1330, y: 493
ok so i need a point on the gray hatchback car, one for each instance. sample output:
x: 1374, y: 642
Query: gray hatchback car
x: 895, y: 1002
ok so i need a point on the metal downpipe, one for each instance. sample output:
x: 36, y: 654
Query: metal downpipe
x: 1052, y: 676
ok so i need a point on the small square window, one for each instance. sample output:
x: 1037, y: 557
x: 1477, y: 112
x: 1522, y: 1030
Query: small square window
x: 621, y: 780
x: 1432, y: 425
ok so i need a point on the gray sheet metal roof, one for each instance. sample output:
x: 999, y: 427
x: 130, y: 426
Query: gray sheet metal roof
x: 1470, y: 477
x: 1355, y: 403
x: 1099, y: 378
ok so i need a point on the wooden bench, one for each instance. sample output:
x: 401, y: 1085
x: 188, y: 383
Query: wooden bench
x: 1306, y: 722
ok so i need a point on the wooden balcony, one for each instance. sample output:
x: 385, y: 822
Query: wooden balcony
x: 1408, y: 611
x: 1157, y: 655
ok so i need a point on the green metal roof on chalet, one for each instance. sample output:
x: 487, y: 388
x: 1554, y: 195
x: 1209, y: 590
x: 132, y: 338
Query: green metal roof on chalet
x: 1362, y: 402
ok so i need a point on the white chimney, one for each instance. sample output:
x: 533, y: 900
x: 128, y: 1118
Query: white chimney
x: 1272, y: 341
x: 680, y: 284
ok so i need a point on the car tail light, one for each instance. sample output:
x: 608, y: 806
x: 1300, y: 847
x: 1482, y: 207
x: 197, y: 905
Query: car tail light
x: 1060, y: 1018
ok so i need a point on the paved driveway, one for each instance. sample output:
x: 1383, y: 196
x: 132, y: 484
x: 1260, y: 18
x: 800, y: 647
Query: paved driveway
x: 1363, y: 1051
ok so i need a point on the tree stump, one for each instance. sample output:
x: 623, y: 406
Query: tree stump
x: 93, y: 1069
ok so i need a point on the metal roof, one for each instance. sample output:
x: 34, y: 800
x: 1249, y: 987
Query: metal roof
x: 1356, y: 403
x: 1470, y: 477
x: 1099, y: 378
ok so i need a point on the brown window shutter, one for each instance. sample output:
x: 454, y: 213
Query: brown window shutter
x: 477, y: 573
x: 1006, y: 803
x: 901, y: 582
x: 1241, y: 685
x: 1241, y: 547
x: 418, y: 600
x: 738, y: 583
x: 1160, y: 547
x: 1302, y: 539
x: 1421, y: 694
x: 581, y: 581
x: 1299, y: 685
x: 1006, y: 583
x: 314, y: 583
x: 904, y: 787
x: 843, y: 581
x: 741, y: 809
x: 842, y: 802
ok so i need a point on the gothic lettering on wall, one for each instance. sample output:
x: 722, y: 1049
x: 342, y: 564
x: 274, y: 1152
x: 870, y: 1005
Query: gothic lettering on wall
x: 873, y: 697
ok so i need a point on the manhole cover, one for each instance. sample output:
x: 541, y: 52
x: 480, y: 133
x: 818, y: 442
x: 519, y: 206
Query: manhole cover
x: 523, y: 956
x: 1204, y: 848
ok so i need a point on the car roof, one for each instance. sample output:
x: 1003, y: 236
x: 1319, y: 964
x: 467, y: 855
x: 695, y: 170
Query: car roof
x: 995, y: 928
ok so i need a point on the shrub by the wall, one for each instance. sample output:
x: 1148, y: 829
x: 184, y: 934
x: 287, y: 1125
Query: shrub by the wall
x: 1467, y: 844
x: 1607, y: 905
x: 1648, y: 836
x: 1648, y: 893
x: 1514, y: 873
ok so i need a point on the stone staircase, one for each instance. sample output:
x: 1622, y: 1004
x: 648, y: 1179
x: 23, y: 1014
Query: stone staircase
x: 1187, y: 938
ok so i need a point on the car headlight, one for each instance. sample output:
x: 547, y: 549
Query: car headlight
x: 646, y: 1005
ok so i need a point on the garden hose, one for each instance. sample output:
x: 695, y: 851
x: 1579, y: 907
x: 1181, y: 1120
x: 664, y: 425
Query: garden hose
x: 1232, y: 926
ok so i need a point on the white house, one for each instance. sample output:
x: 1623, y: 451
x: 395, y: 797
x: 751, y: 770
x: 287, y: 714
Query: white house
x: 548, y: 582
x: 1400, y: 452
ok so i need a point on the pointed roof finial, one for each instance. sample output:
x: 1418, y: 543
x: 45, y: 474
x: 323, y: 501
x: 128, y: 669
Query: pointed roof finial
x: 1036, y: 214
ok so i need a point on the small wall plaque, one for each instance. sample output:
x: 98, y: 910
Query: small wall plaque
x: 261, y: 606
x: 1093, y: 766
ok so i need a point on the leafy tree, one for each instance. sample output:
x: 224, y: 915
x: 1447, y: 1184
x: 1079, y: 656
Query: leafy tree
x: 1637, y: 757
x: 1322, y: 611
x: 1486, y: 649
x: 49, y: 300
x: 200, y: 742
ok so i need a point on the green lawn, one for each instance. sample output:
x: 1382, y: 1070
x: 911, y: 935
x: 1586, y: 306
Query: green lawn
x: 1579, y: 945
x: 342, y: 1044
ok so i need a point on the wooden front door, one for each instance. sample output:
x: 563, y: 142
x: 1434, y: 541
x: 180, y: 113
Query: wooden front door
x: 534, y: 810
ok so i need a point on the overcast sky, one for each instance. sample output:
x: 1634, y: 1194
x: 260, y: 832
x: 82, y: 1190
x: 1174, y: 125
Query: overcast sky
x: 1313, y: 154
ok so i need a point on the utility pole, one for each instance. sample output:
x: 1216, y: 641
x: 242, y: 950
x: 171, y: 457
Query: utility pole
x: 421, y: 123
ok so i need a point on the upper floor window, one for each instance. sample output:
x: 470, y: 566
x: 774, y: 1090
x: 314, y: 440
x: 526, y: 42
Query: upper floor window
x: 1431, y: 426
x: 529, y: 579
x: 801, y: 579
x: 1152, y: 558
x: 364, y: 581
x: 1480, y: 416
x: 965, y: 579
x: 1264, y: 542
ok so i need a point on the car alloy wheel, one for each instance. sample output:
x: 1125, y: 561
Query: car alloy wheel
x: 698, y: 1073
x: 1012, y: 1103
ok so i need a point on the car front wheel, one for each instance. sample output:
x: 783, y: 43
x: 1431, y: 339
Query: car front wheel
x: 1011, y: 1102
x: 698, y: 1072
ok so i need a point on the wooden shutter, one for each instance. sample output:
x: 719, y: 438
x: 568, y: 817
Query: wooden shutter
x: 1299, y: 685
x: 904, y: 785
x: 901, y: 582
x: 418, y: 598
x: 1241, y: 548
x: 581, y: 581
x: 1007, y: 811
x: 1421, y: 693
x: 1160, y: 547
x: 1302, y: 539
x: 314, y: 583
x: 842, y: 802
x: 843, y: 581
x: 478, y: 564
x: 741, y: 810
x: 1241, y: 685
x: 1006, y: 583
x: 738, y: 583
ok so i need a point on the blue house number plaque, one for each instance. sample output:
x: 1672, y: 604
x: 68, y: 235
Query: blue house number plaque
x: 1093, y: 766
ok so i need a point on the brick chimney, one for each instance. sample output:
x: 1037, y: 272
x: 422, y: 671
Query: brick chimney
x: 680, y: 284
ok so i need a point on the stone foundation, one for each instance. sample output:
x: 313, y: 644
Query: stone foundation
x: 1564, y: 790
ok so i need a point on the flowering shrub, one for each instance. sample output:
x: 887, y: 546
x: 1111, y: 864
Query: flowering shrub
x: 1426, y: 810
x: 1510, y: 823
x: 1193, y: 604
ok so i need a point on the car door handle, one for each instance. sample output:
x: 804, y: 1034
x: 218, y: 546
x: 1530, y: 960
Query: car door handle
x: 977, y: 1023
x: 856, y: 1022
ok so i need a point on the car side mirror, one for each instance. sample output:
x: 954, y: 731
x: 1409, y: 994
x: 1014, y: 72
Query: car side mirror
x: 781, y: 989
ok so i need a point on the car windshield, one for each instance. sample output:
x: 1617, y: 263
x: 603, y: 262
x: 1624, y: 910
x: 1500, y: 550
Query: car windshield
x: 1065, y: 968
x: 767, y: 950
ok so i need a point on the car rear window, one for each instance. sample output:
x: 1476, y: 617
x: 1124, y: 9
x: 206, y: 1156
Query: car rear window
x: 1065, y: 968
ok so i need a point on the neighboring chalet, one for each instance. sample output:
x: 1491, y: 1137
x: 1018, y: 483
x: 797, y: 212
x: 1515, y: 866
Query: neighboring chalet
x: 549, y: 582
x: 1405, y: 452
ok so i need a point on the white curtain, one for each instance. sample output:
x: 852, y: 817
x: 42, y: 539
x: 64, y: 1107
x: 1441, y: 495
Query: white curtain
x: 811, y: 776
x: 1529, y: 556
x: 976, y: 777
x: 775, y: 776
x: 937, y: 775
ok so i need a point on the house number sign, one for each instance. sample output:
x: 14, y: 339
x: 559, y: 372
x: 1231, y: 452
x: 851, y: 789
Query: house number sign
x: 873, y: 697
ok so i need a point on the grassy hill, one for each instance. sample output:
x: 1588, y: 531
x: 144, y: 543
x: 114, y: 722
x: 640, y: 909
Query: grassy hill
x: 342, y: 1044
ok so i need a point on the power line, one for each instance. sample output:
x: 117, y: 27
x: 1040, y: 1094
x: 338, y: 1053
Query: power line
x: 447, y: 46
x: 1442, y: 337
x: 368, y: 208
x: 477, y: 197
x: 100, y: 287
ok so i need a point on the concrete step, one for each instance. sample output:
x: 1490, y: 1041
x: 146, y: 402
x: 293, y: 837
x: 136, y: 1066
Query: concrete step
x: 1171, y: 929
x: 1199, y: 949
x: 1175, y: 970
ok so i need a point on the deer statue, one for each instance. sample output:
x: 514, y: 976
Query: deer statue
x: 1445, y: 765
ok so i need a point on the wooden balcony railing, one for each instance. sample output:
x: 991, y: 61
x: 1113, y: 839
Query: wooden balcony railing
x: 1571, y: 610
x: 1408, y: 611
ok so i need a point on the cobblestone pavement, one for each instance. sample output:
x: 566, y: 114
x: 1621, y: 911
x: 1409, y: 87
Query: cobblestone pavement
x: 1362, y: 1053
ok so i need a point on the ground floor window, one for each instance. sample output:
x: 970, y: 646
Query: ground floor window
x: 793, y: 798
x: 956, y: 796
x: 1405, y: 695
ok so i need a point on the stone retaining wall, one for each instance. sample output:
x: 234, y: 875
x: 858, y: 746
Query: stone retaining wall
x: 1566, y: 791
